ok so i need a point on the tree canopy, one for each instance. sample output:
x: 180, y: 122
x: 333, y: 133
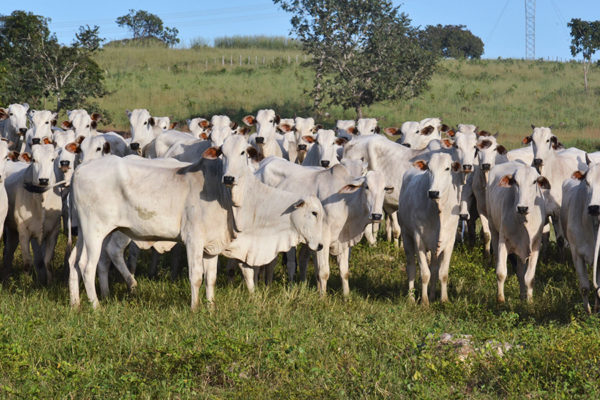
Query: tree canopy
x: 363, y: 51
x: 453, y: 41
x: 585, y: 39
x: 38, y: 68
x: 143, y: 25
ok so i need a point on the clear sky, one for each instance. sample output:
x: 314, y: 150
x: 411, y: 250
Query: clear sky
x: 499, y: 23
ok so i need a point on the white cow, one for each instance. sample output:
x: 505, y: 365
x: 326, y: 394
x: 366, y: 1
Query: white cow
x: 325, y: 148
x: 82, y: 123
x: 144, y: 129
x: 303, y: 128
x: 242, y: 219
x: 5, y: 155
x: 94, y: 147
x: 346, y: 128
x: 266, y: 122
x: 367, y: 126
x: 350, y: 201
x: 199, y: 127
x: 34, y: 211
x: 579, y: 217
x: 428, y: 218
x: 13, y: 124
x: 516, y: 211
x: 41, y: 128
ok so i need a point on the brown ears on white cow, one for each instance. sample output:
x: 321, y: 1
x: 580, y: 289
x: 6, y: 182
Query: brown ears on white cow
x: 506, y: 181
x: 3, y: 113
x: 173, y: 125
x: 445, y: 128
x: 106, y: 148
x: 284, y: 128
x: 317, y: 127
x: 79, y: 139
x: 579, y: 175
x: 233, y: 125
x: 527, y: 139
x: 211, y: 153
x: 26, y: 157
x: 543, y: 182
x: 351, y: 130
x: 427, y: 130
x: 277, y: 120
x: 242, y: 130
x: 151, y: 121
x: 483, y: 133
x: 501, y: 149
x: 392, y: 131
x: 421, y: 164
x: 455, y: 166
x: 484, y: 144
x: 451, y: 133
x: 309, y: 139
x: 47, y: 141
x: 341, y: 141
x: 249, y: 120
x: 204, y: 136
x: 350, y: 188
x: 447, y: 143
x: 66, y: 125
x: 72, y: 147
x: 13, y: 155
x: 389, y: 189
x: 96, y: 116
x: 254, y: 154
x: 377, y: 129
x: 532, y: 126
x: 299, y: 203
x: 204, y: 124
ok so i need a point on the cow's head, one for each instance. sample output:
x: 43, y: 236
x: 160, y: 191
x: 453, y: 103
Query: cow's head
x: 528, y: 184
x: 591, y: 180
x: 42, y: 165
x: 326, y: 145
x: 465, y: 146
x: 346, y: 128
x: 266, y: 122
x: 307, y: 217
x: 81, y: 122
x: 142, y: 129
x: 222, y: 128
x: 16, y: 114
x: 199, y: 127
x: 93, y: 147
x: 162, y: 123
x: 5, y: 155
x: 544, y: 143
x: 441, y: 172
x: 373, y: 188
x: 42, y: 123
x: 367, y: 126
x: 488, y: 150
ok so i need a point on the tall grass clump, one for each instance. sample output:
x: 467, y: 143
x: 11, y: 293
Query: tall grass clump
x: 199, y: 43
x: 258, y: 42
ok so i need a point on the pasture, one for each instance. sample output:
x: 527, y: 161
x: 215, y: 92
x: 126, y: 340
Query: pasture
x: 285, y: 341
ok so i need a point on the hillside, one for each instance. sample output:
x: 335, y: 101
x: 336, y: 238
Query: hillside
x: 505, y: 96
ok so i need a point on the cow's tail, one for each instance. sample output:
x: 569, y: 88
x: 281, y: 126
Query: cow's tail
x: 595, y: 264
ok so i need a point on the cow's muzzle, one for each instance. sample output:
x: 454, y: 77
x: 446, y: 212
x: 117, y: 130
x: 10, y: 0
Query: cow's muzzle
x: 538, y: 162
x: 22, y: 131
x: 522, y: 210
x: 320, y: 247
x: 228, y: 180
x: 594, y: 211
x: 301, y: 147
x: 467, y: 168
x: 260, y: 140
x: 434, y: 194
x: 324, y: 163
x: 43, y: 181
x: 35, y: 140
x: 485, y: 167
x: 406, y: 145
x: 376, y: 217
x: 134, y: 146
x: 464, y: 217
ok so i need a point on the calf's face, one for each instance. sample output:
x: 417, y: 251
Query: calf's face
x: 487, y: 150
x: 17, y: 117
x: 141, y: 128
x: 326, y: 146
x: 42, y: 123
x: 374, y: 189
x: 591, y: 179
x: 42, y: 164
x: 307, y: 217
x: 439, y: 170
x: 528, y: 185
x: 543, y: 142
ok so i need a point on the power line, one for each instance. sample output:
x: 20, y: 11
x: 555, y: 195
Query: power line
x: 489, y: 36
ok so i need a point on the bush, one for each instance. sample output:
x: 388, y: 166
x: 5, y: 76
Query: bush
x: 258, y: 42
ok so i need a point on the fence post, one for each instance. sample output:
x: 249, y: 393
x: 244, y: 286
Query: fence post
x: 296, y: 58
x: 288, y: 58
x: 255, y: 60
x: 230, y: 59
x: 223, y: 60
x: 263, y: 60
x: 240, y: 60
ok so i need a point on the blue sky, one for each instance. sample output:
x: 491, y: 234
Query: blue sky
x: 499, y: 23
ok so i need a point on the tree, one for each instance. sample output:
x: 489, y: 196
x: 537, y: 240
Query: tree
x: 585, y: 39
x: 143, y: 24
x: 453, y: 41
x: 39, y: 68
x: 363, y: 51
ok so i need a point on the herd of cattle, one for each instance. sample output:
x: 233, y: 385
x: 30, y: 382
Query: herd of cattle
x: 220, y: 190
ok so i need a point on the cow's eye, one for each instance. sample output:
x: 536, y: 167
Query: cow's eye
x: 448, y: 169
x: 314, y: 213
x: 98, y: 149
x: 242, y: 153
x: 366, y: 187
x: 145, y: 122
x: 548, y: 141
x: 87, y: 126
x: 47, y: 122
x: 11, y: 114
x: 52, y: 160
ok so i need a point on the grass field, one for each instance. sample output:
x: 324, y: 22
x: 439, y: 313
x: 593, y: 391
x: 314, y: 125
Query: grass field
x: 284, y: 341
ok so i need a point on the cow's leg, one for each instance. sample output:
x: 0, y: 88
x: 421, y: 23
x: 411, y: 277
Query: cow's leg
x: 248, y: 274
x: 49, y: 246
x: 425, y: 276
x: 195, y: 268
x: 501, y: 268
x: 38, y: 261
x: 343, y: 261
x: 369, y: 229
x: 395, y: 229
x: 291, y: 263
x: 25, y: 250
x: 115, y: 251
x: 210, y: 267
x: 74, y: 273
x: 411, y: 264
x: 322, y: 268
x: 388, y: 227
x: 10, y: 245
x: 582, y: 277
x: 154, y: 263
x: 93, y: 248
x: 134, y: 253
x: 443, y: 272
x: 176, y: 260
x: 303, y: 259
x: 103, y: 267
x: 530, y: 274
x: 269, y: 269
x: 485, y: 227
x: 434, y: 270
x: 230, y: 269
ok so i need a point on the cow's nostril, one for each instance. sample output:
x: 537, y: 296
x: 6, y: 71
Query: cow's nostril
x: 228, y: 180
x: 320, y: 247
x: 324, y: 163
x: 485, y: 167
x: 35, y: 141
x: 537, y: 162
x: 467, y: 167
x: 134, y: 146
x: 376, y: 217
x: 464, y: 217
x: 434, y: 194
x: 260, y: 140
x: 522, y: 210
x: 43, y: 182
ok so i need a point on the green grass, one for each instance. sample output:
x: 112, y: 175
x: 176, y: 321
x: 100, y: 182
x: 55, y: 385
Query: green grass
x: 505, y: 96
x: 285, y: 341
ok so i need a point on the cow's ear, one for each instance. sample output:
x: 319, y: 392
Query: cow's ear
x: 451, y: 133
x: 455, y: 166
x: 299, y: 203
x: 106, y: 148
x: 309, y: 139
x: 543, y: 182
x: 96, y: 116
x: 351, y: 130
x: 173, y: 125
x: 555, y: 143
x: 389, y: 189
x: 249, y: 120
x: 317, y: 127
x: 79, y: 139
x: 94, y: 124
x: 151, y: 121
x: 204, y: 136
x: 421, y: 164
x: 66, y: 125
x: 72, y: 147
x: 579, y: 175
x: 204, y: 124
x: 13, y: 155
x: 377, y: 129
x: 25, y: 157
x: 587, y: 160
x: 3, y: 113
x: 428, y: 129
x: 483, y: 133
x: 392, y: 131
x: 350, y: 188
x: 242, y: 130
x: 532, y: 126
x: 277, y: 120
x: 501, y: 149
x: 506, y: 181
x: 211, y: 153
x: 527, y: 140
x: 447, y: 143
x: 484, y: 144
x: 285, y: 128
x: 53, y: 122
x: 254, y: 154
x: 445, y: 128
x: 47, y: 141
x: 341, y: 141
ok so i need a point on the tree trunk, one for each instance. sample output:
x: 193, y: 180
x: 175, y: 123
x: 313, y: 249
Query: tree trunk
x: 358, y: 109
x: 586, y: 67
